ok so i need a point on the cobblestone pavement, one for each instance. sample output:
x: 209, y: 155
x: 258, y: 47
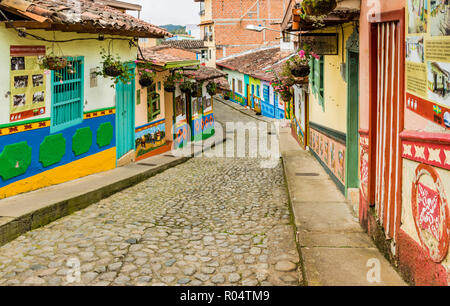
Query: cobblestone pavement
x: 210, y: 221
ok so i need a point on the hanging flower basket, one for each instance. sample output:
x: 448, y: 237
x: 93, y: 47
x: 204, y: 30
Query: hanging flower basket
x: 112, y: 70
x: 169, y: 83
x: 286, y: 96
x: 169, y: 87
x: 197, y: 90
x: 318, y: 7
x: 54, y: 63
x: 186, y: 87
x: 211, y: 88
x: 145, y: 81
x: 300, y: 71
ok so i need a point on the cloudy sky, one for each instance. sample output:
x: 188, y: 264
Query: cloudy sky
x: 162, y: 12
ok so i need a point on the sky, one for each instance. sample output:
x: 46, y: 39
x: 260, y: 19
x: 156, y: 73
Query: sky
x: 160, y: 12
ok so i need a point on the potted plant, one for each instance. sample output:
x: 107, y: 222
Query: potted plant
x: 170, y: 84
x: 211, y: 88
x: 53, y: 62
x: 114, y: 68
x: 187, y: 87
x: 318, y: 7
x: 197, y: 89
x: 146, y: 77
x: 283, y: 88
x: 298, y: 65
x: 226, y: 96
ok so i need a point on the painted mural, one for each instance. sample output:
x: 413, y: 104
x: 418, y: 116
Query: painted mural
x: 331, y: 152
x: 150, y: 137
x: 32, y: 158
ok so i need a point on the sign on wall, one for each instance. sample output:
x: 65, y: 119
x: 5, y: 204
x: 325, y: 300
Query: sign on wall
x: 428, y: 59
x: 321, y: 43
x: 27, y: 82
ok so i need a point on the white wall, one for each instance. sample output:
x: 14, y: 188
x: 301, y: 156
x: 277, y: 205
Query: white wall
x: 98, y: 97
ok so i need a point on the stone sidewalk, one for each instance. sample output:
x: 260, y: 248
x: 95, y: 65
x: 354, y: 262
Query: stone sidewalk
x: 25, y: 212
x: 334, y: 248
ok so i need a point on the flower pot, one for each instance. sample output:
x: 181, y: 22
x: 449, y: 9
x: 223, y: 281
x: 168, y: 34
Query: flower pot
x: 295, y: 26
x: 318, y: 7
x: 169, y: 87
x: 301, y: 71
x: 286, y: 96
x: 55, y: 63
x: 226, y: 97
x: 197, y: 91
x: 145, y: 81
x: 112, y: 71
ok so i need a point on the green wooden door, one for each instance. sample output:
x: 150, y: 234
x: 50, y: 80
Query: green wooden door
x: 352, y: 120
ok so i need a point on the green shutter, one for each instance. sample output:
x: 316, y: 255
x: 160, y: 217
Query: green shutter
x: 321, y: 86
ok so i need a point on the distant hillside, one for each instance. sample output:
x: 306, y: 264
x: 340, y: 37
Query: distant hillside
x: 174, y: 28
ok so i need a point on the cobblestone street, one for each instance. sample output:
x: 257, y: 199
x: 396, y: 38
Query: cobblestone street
x: 209, y: 221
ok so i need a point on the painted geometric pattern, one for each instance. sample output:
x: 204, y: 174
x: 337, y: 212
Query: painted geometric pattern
x: 105, y: 134
x: 15, y: 160
x: 431, y: 154
x: 52, y: 150
x: 82, y: 141
x: 24, y: 127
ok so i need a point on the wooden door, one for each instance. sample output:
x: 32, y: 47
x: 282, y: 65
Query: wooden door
x: 386, y: 119
x: 125, y: 97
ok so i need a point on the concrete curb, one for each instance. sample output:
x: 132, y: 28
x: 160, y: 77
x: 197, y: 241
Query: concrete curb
x: 303, y: 281
x: 11, y: 228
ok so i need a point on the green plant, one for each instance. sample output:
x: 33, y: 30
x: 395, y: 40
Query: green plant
x: 146, y: 73
x: 187, y: 86
x: 211, y: 88
x: 298, y: 65
x: 112, y: 67
x: 171, y: 81
x: 282, y: 87
x: 318, y: 7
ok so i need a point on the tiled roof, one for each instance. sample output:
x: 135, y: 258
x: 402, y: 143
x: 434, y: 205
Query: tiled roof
x: 204, y: 73
x: 256, y: 62
x: 89, y: 16
x: 185, y: 44
x: 159, y: 56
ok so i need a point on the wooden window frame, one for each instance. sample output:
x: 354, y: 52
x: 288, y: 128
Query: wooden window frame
x: 55, y: 126
x: 152, y: 96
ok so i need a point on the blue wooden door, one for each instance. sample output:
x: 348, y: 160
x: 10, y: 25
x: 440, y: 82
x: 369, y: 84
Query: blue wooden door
x: 125, y: 117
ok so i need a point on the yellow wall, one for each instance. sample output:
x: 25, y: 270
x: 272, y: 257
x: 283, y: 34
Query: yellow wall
x: 98, y: 97
x: 335, y: 90
x: 141, y: 109
x: 99, y: 162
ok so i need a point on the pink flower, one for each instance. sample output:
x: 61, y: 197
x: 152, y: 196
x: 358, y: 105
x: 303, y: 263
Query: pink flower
x: 302, y: 53
x: 315, y: 55
x: 147, y: 70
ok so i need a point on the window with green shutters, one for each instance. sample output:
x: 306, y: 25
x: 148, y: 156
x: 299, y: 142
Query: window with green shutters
x: 67, y: 95
x: 317, y: 79
x: 154, y: 103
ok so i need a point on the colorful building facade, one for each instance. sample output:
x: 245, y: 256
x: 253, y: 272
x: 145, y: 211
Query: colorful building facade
x: 405, y: 138
x: 60, y: 126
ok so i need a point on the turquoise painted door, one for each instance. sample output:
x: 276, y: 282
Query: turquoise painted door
x: 125, y: 117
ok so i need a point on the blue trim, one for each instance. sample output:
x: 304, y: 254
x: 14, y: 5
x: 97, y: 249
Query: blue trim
x: 60, y: 127
x: 148, y: 124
